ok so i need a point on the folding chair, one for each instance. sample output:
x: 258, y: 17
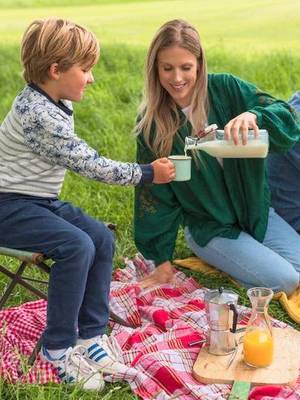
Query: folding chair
x: 28, y: 260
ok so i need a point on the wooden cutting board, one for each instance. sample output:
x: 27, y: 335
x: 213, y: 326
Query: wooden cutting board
x: 284, y: 369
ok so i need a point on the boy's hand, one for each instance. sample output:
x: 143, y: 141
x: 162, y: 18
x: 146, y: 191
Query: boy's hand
x: 164, y: 170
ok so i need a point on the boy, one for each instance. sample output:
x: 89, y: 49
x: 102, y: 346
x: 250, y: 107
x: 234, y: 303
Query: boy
x: 38, y: 144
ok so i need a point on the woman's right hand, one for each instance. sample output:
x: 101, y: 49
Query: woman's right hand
x: 164, y: 170
x: 241, y: 123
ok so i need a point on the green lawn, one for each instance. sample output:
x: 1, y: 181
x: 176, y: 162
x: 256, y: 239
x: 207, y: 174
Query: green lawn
x: 244, y: 38
x: 247, y: 26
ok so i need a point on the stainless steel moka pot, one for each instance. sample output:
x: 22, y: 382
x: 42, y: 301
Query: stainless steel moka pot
x: 220, y: 305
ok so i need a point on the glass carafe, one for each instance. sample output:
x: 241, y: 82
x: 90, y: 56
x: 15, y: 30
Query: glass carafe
x: 258, y: 338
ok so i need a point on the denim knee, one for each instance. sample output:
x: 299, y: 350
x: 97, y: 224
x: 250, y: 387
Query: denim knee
x: 86, y: 245
x: 289, y: 283
x: 104, y: 241
x: 77, y: 246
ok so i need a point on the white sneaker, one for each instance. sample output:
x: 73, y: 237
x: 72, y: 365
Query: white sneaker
x: 103, y: 353
x: 72, y: 368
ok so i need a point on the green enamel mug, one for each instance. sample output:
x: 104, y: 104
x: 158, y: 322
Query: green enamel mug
x: 183, y: 167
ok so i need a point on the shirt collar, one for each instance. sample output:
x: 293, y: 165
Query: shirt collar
x: 59, y: 104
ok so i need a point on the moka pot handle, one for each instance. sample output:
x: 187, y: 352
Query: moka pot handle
x: 232, y: 307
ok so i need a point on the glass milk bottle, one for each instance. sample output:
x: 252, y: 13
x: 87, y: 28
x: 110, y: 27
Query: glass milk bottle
x: 217, y: 146
x: 258, y: 339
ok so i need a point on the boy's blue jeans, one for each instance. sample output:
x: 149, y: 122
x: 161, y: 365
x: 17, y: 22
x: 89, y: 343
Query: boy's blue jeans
x: 82, y: 250
x: 275, y: 263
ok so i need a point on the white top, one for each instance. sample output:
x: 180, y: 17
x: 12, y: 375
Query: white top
x: 38, y: 144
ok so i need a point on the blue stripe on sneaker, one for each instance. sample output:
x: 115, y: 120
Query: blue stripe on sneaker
x: 96, y: 352
x: 94, y: 346
x: 95, y: 349
x: 99, y: 358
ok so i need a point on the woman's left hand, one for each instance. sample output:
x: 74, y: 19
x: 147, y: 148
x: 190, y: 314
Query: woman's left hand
x: 242, y: 123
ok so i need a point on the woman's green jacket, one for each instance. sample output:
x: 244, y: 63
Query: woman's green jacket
x: 217, y: 201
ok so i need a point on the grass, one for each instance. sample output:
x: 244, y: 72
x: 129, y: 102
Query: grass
x: 63, y: 392
x: 236, y: 42
x: 247, y: 26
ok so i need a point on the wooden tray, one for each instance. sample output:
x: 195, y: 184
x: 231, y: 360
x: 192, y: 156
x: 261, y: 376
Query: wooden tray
x: 284, y: 370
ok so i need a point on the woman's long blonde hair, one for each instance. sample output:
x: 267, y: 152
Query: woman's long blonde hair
x: 157, y: 106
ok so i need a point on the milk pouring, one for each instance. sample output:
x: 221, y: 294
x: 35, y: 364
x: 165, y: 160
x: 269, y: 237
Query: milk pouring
x: 215, y: 145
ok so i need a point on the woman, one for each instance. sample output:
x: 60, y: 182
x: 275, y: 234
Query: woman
x: 225, y: 207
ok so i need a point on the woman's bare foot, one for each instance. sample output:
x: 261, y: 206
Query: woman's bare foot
x: 164, y: 273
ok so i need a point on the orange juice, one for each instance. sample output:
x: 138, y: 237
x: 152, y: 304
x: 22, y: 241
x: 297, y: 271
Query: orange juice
x: 258, y: 348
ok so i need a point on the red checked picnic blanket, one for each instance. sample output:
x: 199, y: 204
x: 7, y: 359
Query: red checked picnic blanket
x: 156, y: 355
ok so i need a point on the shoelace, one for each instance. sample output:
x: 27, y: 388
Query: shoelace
x: 74, y: 358
x: 112, y: 345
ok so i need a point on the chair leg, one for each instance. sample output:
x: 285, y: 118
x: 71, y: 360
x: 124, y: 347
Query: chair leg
x: 15, y: 278
x: 114, y: 317
x: 35, y: 352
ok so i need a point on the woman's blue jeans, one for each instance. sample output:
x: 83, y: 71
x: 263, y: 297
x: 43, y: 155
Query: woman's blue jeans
x: 82, y: 249
x: 275, y: 263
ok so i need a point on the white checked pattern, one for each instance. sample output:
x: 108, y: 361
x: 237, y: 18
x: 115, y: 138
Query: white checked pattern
x: 166, y: 320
